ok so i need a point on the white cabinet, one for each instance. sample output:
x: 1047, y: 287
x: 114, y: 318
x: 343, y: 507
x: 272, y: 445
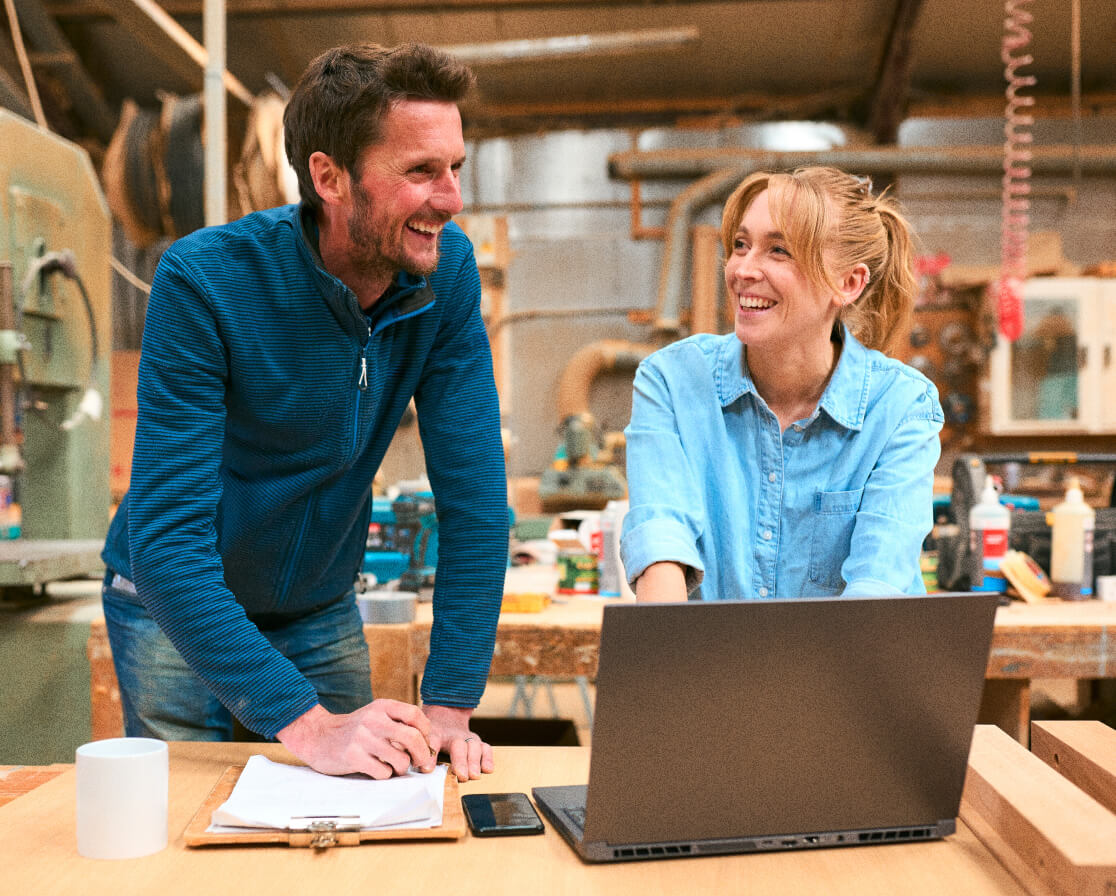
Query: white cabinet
x: 1060, y: 375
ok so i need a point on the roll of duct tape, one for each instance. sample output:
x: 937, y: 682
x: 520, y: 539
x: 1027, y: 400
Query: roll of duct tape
x: 386, y: 607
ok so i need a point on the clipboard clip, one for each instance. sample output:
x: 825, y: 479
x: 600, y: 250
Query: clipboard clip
x: 324, y: 831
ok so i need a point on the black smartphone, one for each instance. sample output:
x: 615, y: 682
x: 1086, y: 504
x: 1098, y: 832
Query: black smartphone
x: 500, y: 814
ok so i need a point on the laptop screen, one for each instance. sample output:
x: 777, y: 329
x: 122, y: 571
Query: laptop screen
x: 754, y: 718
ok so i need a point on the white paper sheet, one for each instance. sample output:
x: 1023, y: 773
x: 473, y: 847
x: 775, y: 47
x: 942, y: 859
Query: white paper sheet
x: 272, y: 795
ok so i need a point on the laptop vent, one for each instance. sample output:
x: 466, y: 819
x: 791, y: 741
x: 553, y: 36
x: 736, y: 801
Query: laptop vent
x: 898, y: 834
x: 647, y: 852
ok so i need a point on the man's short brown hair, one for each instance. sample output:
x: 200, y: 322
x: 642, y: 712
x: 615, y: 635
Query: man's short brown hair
x: 340, y: 100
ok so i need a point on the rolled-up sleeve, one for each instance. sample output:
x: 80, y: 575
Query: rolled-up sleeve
x: 663, y: 523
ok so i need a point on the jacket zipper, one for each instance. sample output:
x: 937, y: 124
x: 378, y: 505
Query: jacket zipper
x: 362, y: 385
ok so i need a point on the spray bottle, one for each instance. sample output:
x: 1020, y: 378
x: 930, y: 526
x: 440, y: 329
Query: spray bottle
x: 989, y: 523
x: 1071, y: 545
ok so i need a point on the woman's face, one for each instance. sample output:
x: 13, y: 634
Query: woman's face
x: 775, y: 305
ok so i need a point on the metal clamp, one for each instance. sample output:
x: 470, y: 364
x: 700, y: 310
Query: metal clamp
x: 325, y: 831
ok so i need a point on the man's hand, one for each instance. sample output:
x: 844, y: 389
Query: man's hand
x: 382, y: 739
x: 469, y: 755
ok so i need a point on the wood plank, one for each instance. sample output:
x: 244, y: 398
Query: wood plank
x: 1058, y: 639
x: 392, y: 671
x: 107, y: 716
x: 1084, y: 752
x: 1052, y: 836
x: 706, y: 270
x: 159, y: 34
x: 1006, y: 703
x: 72, y: 9
x: 889, y: 100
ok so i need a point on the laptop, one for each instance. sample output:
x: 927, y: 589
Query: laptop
x: 745, y: 726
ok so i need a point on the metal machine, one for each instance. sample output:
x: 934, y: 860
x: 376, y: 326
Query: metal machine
x: 55, y: 350
x: 584, y: 473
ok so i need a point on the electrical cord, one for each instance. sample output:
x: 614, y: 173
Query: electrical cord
x: 65, y: 262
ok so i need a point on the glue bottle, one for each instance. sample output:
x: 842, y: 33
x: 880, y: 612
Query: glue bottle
x: 1071, y: 545
x: 989, y: 524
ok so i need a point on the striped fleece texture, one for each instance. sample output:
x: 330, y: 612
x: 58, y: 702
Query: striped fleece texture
x: 267, y: 400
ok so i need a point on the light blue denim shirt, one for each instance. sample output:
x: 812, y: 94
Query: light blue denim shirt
x: 839, y: 503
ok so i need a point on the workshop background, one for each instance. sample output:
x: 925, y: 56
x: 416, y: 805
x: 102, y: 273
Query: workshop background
x: 602, y: 139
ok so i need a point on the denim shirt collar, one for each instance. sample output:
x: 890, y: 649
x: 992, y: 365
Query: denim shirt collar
x: 845, y: 399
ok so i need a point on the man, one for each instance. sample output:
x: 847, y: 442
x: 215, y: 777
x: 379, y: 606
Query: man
x: 279, y: 354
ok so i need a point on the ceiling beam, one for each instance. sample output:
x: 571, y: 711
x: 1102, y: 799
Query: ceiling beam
x: 75, y: 9
x: 162, y: 37
x: 888, y: 104
x: 1047, y: 106
x: 482, y: 119
x: 579, y: 46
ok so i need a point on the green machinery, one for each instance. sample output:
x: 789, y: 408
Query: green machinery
x: 584, y: 474
x: 55, y: 357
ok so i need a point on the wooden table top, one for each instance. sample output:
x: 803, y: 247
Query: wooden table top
x: 1055, y: 639
x: 38, y: 852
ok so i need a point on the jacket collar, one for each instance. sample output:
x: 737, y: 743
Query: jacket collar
x: 406, y: 289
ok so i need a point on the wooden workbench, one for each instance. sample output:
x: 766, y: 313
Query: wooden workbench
x: 1058, y: 640
x: 38, y: 847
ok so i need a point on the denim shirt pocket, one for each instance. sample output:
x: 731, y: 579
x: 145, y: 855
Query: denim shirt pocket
x: 832, y: 524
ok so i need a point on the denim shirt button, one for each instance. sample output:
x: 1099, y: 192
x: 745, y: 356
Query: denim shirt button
x: 763, y: 592
x: 767, y: 535
x: 771, y: 477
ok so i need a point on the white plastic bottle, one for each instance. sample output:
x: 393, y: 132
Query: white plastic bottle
x: 614, y: 582
x: 1071, y: 545
x: 989, y: 526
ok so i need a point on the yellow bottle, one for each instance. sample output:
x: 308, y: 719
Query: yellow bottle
x: 1071, y: 545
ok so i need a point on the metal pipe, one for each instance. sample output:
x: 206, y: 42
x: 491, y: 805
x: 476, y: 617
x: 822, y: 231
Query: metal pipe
x: 720, y: 169
x: 216, y: 176
x: 686, y: 164
x: 590, y: 361
x: 672, y: 275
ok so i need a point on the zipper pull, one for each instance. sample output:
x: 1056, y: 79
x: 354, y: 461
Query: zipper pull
x: 363, y: 381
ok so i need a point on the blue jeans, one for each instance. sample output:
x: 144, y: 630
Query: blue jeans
x: 164, y: 699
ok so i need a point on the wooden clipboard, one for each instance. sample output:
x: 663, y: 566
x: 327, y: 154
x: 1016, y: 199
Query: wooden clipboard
x: 322, y: 834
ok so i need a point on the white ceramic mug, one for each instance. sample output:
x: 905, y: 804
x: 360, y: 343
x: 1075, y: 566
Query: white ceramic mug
x: 121, y: 797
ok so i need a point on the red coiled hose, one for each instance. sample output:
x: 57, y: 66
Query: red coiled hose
x: 1017, y: 170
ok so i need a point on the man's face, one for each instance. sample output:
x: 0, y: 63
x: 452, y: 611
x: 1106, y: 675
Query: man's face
x: 407, y: 188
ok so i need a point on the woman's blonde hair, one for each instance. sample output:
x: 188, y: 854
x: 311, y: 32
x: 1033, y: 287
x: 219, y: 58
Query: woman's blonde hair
x: 832, y: 222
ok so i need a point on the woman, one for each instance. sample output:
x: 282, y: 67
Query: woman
x: 790, y: 458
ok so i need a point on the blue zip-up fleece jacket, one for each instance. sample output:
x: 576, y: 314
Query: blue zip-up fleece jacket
x: 267, y: 399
